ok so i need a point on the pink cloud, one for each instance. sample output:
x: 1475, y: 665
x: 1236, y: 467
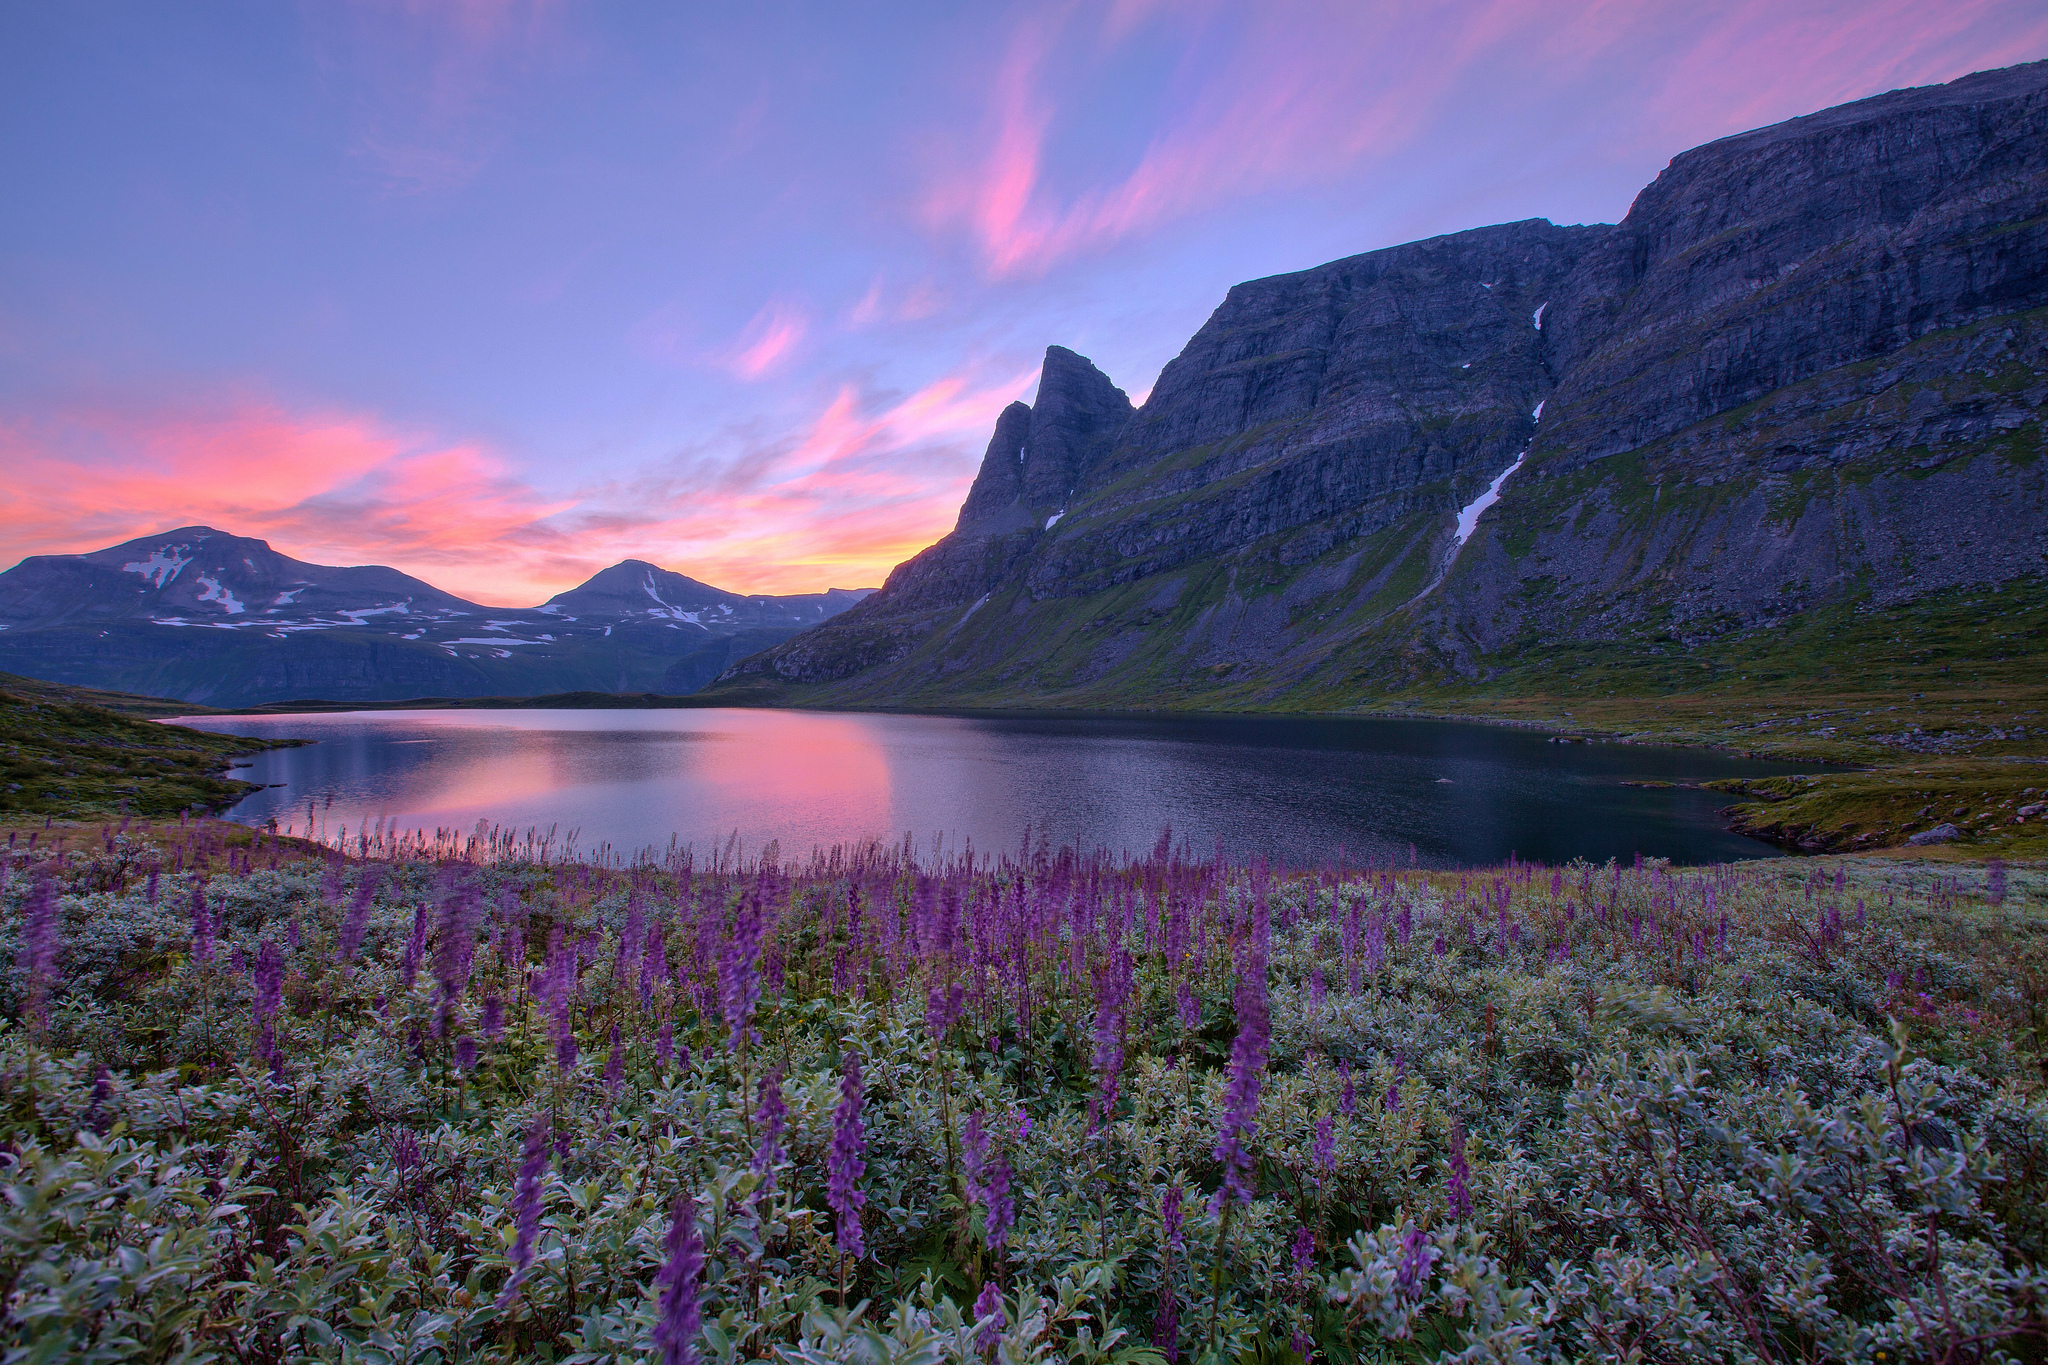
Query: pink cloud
x: 880, y: 306
x: 769, y: 340
x: 1303, y: 92
x: 863, y: 483
x: 1296, y: 96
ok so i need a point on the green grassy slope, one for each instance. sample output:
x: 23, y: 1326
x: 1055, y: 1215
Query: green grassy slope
x: 67, y: 753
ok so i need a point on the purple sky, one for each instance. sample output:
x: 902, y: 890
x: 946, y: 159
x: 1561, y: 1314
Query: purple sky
x: 500, y: 293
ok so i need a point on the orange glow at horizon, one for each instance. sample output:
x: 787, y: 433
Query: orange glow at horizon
x: 860, y: 488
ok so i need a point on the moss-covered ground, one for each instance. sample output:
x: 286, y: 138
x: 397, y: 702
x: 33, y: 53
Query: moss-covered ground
x: 69, y: 753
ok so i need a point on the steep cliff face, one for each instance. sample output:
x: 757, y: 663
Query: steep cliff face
x: 1807, y: 369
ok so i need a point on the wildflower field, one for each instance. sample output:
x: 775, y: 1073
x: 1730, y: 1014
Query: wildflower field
x: 465, y: 1100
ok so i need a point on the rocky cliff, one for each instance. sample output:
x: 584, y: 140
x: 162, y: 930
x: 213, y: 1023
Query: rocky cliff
x: 1805, y: 371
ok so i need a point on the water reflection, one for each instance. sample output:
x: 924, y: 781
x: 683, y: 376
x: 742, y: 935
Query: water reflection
x: 1291, y: 789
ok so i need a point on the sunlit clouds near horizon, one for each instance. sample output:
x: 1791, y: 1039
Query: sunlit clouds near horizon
x: 502, y: 293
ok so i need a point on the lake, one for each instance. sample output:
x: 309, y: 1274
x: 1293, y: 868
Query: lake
x: 1292, y: 789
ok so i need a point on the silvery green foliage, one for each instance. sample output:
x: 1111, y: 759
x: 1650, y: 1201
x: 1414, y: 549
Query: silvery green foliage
x: 1693, y: 1129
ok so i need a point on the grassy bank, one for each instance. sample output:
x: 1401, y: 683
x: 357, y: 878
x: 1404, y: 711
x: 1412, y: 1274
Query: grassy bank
x: 264, y: 1104
x: 67, y: 753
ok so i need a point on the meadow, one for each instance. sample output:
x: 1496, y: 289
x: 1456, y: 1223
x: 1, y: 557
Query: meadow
x: 470, y: 1099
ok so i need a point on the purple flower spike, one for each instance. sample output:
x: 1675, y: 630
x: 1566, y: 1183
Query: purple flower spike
x: 526, y: 1202
x: 845, y: 1164
x: 665, y: 1045
x: 990, y: 1304
x: 681, y: 1316
x: 1417, y: 1256
x: 974, y: 1153
x: 615, y: 1064
x: 357, y: 921
x: 739, y: 968
x: 1241, y: 1096
x: 202, y: 925
x: 1347, y: 1105
x: 1170, y: 1218
x: 999, y: 1210
x: 1303, y: 1250
x: 494, y: 1017
x: 772, y: 1114
x: 1458, y: 1189
x: 39, y: 944
x: 465, y: 1054
x: 266, y: 994
x: 1323, y: 1151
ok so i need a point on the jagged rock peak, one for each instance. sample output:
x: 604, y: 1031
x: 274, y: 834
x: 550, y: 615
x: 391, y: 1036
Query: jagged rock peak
x: 1040, y: 453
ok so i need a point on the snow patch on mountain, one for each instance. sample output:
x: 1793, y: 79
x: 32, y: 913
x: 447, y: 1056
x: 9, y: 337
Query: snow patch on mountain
x: 214, y: 592
x: 161, y: 567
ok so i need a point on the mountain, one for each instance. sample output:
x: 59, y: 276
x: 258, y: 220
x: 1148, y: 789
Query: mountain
x: 204, y: 616
x: 1799, y: 384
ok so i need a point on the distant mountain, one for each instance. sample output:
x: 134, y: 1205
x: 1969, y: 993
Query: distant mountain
x: 205, y: 616
x: 1805, y: 375
x: 633, y: 587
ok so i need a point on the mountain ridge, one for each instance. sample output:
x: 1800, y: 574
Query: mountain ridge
x: 202, y: 615
x: 1805, y: 370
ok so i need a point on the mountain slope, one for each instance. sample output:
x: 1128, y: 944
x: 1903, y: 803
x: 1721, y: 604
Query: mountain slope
x: 1805, y: 372
x: 204, y: 616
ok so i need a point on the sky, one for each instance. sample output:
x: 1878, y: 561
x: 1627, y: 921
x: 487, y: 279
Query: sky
x: 500, y: 292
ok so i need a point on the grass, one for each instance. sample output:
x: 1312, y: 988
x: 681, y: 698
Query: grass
x: 66, y: 753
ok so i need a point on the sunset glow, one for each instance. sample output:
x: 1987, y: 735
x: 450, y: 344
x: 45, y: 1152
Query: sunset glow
x: 499, y: 293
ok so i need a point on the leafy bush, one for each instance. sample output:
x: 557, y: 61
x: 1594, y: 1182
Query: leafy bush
x: 1044, y: 1107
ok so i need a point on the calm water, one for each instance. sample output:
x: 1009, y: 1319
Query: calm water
x: 1293, y: 789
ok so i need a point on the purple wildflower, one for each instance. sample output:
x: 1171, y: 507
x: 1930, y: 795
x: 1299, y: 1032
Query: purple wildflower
x: 1166, y: 1326
x: 1347, y: 1104
x: 1458, y: 1190
x: 845, y: 1163
x: 415, y: 949
x: 39, y: 944
x: 526, y: 1204
x: 1323, y: 1151
x: 653, y: 964
x: 974, y: 1153
x: 357, y: 921
x: 989, y: 1304
x: 665, y: 1044
x: 771, y: 1115
x: 455, y: 949
x: 1187, y: 1007
x: 681, y: 1316
x: 739, y: 968
x: 1241, y: 1096
x: 615, y: 1064
x: 999, y: 1210
x: 465, y: 1053
x: 265, y: 996
x: 494, y: 1017
x: 202, y: 925
x: 1303, y: 1251
x: 1417, y: 1256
